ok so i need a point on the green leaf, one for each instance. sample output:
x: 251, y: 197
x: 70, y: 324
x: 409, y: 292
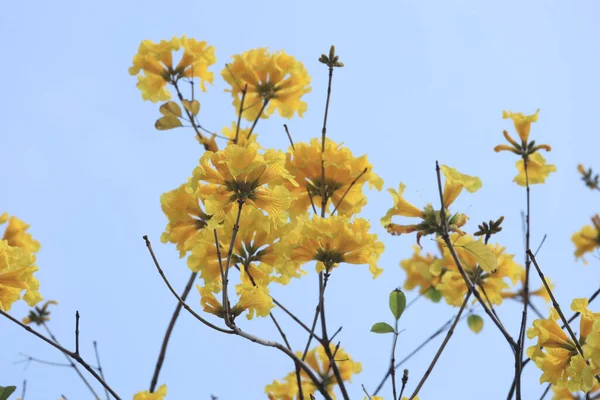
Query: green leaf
x: 485, y: 256
x: 192, y: 106
x: 434, y: 295
x: 382, y: 327
x: 5, y: 392
x: 475, y: 323
x: 168, y: 122
x: 170, y: 108
x: 397, y: 303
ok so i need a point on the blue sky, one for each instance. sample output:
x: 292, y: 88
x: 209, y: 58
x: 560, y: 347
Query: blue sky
x: 423, y: 81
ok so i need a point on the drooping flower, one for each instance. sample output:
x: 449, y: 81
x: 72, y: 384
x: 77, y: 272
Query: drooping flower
x: 17, y: 267
x: 537, y: 170
x: 153, y: 65
x: 587, y: 239
x: 345, y: 176
x: 274, y: 81
x: 318, y: 361
x: 244, y: 176
x: 159, y: 394
x: 335, y: 240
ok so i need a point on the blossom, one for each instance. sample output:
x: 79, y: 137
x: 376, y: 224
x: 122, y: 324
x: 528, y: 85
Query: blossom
x: 242, y: 135
x: 318, y: 361
x: 254, y: 299
x: 16, y: 234
x: 429, y: 217
x: 418, y: 272
x: 537, y: 170
x: 587, y: 239
x: 556, y: 354
x: 159, y: 394
x: 244, y: 176
x: 335, y: 240
x: 17, y: 267
x: 522, y: 122
x: 276, y: 79
x: 345, y: 176
x: 153, y: 65
x: 186, y: 217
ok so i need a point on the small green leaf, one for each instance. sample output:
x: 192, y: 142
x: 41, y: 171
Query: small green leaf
x: 397, y: 303
x: 192, y: 106
x: 170, y: 108
x: 168, y: 122
x: 485, y: 256
x: 5, y: 392
x: 382, y: 327
x: 434, y: 295
x: 475, y: 323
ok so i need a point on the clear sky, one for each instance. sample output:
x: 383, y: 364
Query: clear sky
x: 423, y: 81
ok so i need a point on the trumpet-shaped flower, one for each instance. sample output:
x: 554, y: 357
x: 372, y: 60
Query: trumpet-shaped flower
x: 587, y: 239
x: 273, y: 81
x: 522, y: 122
x: 244, y: 176
x: 345, y: 176
x: 186, y: 217
x: 537, y: 170
x: 429, y: 217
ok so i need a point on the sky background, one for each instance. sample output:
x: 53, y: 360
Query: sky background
x: 423, y: 81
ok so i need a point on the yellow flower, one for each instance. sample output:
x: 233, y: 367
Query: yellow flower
x: 209, y: 302
x: 16, y: 235
x: 587, y: 239
x: 319, y: 362
x: 255, y: 299
x: 345, y: 176
x: 242, y: 135
x: 430, y: 218
x: 335, y: 240
x: 537, y: 170
x: 455, y: 182
x: 555, y: 352
x: 276, y: 79
x: 453, y: 287
x: 522, y: 122
x: 185, y: 215
x: 562, y: 393
x: 418, y: 272
x: 16, y: 275
x: 243, y: 175
x: 160, y: 394
x: 153, y: 65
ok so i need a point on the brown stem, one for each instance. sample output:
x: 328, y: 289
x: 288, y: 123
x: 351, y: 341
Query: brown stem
x: 257, y: 118
x: 189, y: 114
x: 295, y: 318
x: 167, y: 337
x: 347, y: 190
x: 296, y: 366
x: 237, y: 128
x: 100, y: 367
x: 66, y: 352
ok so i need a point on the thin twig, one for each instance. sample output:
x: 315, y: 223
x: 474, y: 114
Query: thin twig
x: 83, y: 378
x: 521, y: 340
x: 24, y: 389
x: 189, y: 114
x: 76, y: 332
x: 262, y: 109
x: 68, y: 353
x: 28, y: 359
x: 289, y: 136
x: 393, y: 361
x: 296, y: 366
x: 167, y: 337
x: 237, y: 129
x: 183, y: 303
x: 348, y: 189
x: 546, y: 391
x: 100, y: 367
x: 302, y: 324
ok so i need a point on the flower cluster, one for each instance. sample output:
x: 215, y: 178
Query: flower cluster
x: 17, y: 264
